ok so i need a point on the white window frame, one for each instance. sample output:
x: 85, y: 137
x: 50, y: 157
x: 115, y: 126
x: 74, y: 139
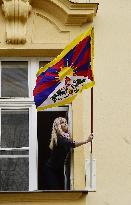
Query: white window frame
x: 21, y: 103
x: 32, y: 137
x: 28, y: 102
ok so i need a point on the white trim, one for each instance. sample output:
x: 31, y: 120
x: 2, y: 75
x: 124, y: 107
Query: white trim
x: 33, y: 161
x: 70, y: 117
x: 0, y: 78
x: 34, y: 65
x: 72, y: 158
x: 15, y: 103
x: 15, y: 149
x: 14, y: 156
x: 90, y: 169
x: 64, y: 108
x: 0, y: 126
x: 14, y: 107
x: 28, y: 77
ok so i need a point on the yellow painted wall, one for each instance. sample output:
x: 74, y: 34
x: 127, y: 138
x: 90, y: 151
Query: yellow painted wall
x: 112, y: 104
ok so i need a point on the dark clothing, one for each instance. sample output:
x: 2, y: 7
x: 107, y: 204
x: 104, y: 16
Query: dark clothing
x: 54, y: 168
x: 53, y: 179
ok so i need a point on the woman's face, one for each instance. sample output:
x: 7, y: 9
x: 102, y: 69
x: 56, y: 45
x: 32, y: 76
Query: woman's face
x: 64, y: 126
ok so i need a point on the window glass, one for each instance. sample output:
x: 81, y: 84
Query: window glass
x: 43, y: 63
x: 14, y: 128
x: 14, y: 79
x: 14, y: 152
x: 14, y: 174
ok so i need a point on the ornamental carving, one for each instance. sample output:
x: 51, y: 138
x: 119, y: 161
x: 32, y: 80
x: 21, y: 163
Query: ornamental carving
x: 16, y: 14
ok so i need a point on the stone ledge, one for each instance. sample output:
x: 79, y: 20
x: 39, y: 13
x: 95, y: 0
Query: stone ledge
x: 39, y: 196
x: 32, y: 52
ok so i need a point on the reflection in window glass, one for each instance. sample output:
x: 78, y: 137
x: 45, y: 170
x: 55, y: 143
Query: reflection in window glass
x: 14, y: 128
x: 14, y: 174
x: 14, y: 79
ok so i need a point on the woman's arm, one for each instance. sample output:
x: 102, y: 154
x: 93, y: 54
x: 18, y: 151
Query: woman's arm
x: 89, y: 139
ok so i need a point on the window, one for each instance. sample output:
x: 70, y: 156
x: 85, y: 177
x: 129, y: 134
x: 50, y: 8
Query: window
x: 14, y: 128
x: 14, y: 153
x: 18, y: 125
x: 22, y: 149
x: 14, y: 79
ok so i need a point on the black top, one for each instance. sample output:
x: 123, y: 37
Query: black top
x: 59, y: 152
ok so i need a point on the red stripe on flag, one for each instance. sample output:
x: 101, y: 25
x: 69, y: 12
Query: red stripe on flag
x: 51, y: 74
x: 86, y: 73
x: 90, y: 74
x: 78, y: 49
x: 59, y: 64
x: 82, y: 73
x: 43, y: 87
x: 39, y: 78
x: 85, y: 58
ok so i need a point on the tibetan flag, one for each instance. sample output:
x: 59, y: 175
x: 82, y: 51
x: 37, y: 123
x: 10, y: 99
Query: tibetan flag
x: 60, y: 81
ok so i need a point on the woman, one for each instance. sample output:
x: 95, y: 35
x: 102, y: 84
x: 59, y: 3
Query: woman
x: 60, y: 145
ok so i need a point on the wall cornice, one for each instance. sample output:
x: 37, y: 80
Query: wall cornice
x: 71, y: 14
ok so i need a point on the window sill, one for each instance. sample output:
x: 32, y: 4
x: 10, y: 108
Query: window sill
x: 39, y: 196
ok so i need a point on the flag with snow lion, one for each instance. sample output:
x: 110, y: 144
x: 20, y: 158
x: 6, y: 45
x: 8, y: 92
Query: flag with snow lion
x: 61, y: 80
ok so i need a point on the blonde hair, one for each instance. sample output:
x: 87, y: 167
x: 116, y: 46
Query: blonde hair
x: 56, y: 129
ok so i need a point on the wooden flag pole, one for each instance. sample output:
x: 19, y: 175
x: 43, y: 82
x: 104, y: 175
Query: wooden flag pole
x: 91, y: 114
x: 91, y: 160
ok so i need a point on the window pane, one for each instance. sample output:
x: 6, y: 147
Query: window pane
x: 43, y: 63
x: 16, y: 152
x: 14, y: 128
x: 14, y: 77
x: 14, y: 174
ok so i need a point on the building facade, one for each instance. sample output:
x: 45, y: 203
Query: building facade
x: 32, y: 34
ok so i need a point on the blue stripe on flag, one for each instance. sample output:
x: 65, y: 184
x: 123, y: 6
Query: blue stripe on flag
x: 69, y: 57
x: 46, y: 79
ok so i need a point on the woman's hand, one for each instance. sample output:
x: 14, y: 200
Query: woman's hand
x: 90, y: 138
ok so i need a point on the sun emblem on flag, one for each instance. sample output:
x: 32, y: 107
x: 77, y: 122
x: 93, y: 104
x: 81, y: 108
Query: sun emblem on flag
x: 66, y: 71
x: 68, y: 85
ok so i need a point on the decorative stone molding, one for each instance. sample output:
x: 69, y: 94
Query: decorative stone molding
x: 69, y: 13
x: 16, y: 14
